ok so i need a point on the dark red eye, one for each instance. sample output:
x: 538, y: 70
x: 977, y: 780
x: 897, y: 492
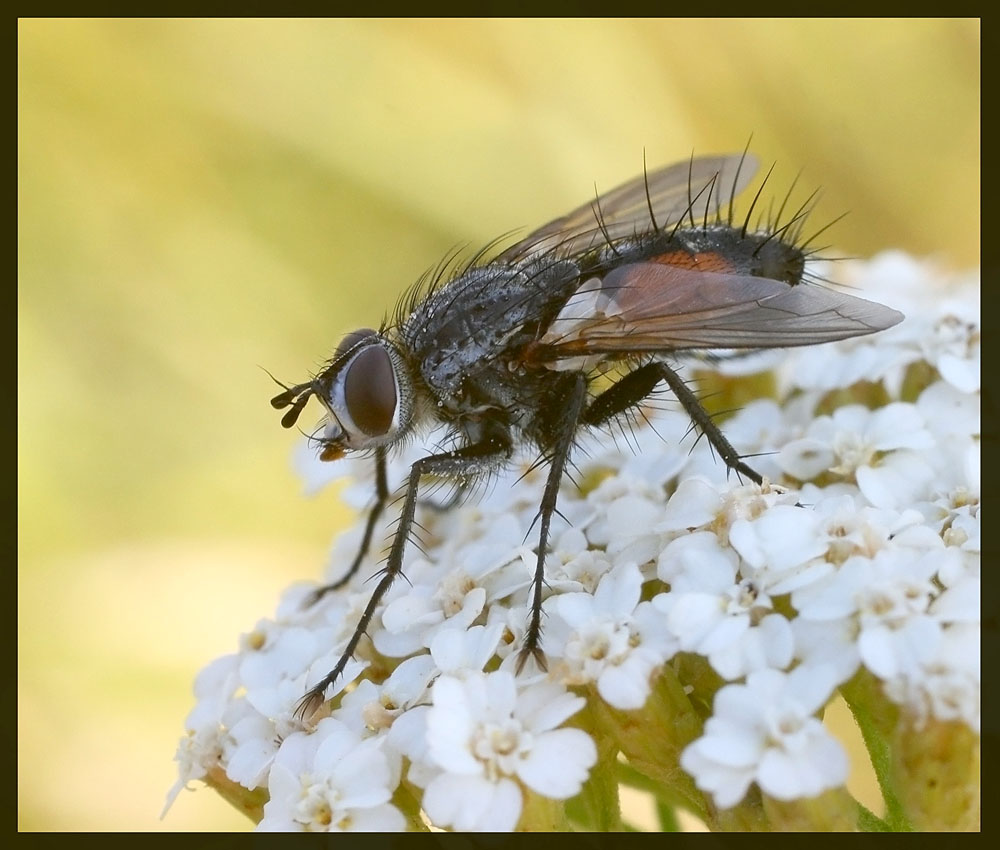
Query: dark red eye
x: 352, y: 339
x: 370, y: 391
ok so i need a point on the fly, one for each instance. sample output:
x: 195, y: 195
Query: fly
x: 507, y: 352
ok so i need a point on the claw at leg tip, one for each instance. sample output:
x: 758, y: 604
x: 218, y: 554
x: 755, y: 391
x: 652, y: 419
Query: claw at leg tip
x: 309, y: 705
x: 532, y: 652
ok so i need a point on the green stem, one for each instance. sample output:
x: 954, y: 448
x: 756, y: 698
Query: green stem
x: 250, y: 803
x: 653, y: 737
x: 407, y: 799
x: 667, y: 816
x: 597, y: 807
x: 877, y: 717
x: 541, y: 814
x: 868, y: 821
x: 832, y: 811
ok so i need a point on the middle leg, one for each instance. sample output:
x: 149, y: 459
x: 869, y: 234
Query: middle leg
x: 565, y: 428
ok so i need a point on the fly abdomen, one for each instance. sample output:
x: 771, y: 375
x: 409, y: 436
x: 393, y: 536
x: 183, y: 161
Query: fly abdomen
x: 720, y: 248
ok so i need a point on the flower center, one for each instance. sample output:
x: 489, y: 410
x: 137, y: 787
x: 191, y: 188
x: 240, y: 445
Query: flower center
x: 499, y: 746
x: 453, y: 590
x: 852, y: 452
x: 895, y: 603
x: 315, y: 809
x: 787, y: 731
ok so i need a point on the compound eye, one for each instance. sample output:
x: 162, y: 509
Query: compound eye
x: 370, y: 391
x: 351, y: 340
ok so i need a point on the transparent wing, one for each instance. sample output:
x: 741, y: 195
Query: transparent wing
x: 702, y: 183
x: 652, y: 307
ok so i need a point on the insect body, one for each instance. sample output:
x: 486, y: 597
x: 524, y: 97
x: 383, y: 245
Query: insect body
x: 506, y: 352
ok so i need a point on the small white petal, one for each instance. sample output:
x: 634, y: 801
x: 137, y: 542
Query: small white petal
x: 898, y: 426
x: 902, y: 478
x: 384, y: 818
x: 695, y: 503
x: 734, y: 750
x: 469, y: 803
x: 727, y: 785
x: 811, y: 685
x: 789, y: 776
x: 336, y: 741
x: 546, y: 705
x: 249, y: 762
x: 806, y: 458
x: 727, y: 633
x: 962, y: 373
x: 619, y: 591
x: 691, y: 616
x: 959, y: 603
x: 558, y: 763
x: 625, y: 687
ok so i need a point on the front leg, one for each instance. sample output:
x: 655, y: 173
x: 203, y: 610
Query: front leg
x: 486, y: 455
x: 381, y: 496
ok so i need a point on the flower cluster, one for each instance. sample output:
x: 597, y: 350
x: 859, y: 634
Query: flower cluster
x: 857, y: 561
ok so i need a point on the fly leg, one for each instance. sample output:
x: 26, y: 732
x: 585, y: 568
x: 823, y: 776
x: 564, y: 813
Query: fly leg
x: 565, y: 429
x: 487, y: 454
x: 635, y: 386
x: 381, y: 496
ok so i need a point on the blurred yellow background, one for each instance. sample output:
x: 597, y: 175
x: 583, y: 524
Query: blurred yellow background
x: 197, y: 198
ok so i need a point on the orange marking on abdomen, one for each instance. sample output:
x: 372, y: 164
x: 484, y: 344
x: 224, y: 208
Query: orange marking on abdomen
x: 705, y: 261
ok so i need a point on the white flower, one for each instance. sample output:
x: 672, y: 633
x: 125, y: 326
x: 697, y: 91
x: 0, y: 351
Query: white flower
x: 486, y: 736
x: 201, y: 747
x: 710, y: 611
x: 883, y: 588
x: 764, y: 732
x: 850, y: 527
x: 761, y: 427
x: 880, y: 450
x: 779, y: 545
x: 459, y: 653
x: 949, y: 413
x: 609, y: 638
x: 252, y: 744
x: 695, y: 503
x: 833, y: 643
x: 941, y: 328
x: 371, y: 708
x: 946, y: 684
x: 572, y: 566
x: 280, y: 662
x: 489, y: 546
x: 625, y: 527
x: 330, y: 781
x: 432, y: 602
x: 655, y: 548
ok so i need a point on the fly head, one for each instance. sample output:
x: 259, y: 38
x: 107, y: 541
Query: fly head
x: 366, y: 391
